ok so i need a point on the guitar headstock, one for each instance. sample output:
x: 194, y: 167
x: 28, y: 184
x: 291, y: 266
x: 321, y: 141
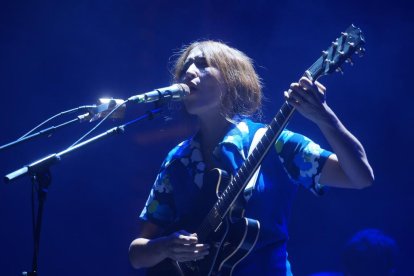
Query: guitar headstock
x: 341, y: 50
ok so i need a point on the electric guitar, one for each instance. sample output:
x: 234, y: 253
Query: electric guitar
x: 219, y: 214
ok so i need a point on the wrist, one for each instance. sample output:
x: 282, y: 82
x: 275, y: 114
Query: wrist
x: 327, y: 119
x: 159, y: 247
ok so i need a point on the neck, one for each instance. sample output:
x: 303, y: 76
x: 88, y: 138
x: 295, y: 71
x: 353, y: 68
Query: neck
x: 212, y: 130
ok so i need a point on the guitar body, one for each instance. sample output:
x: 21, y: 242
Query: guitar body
x: 229, y: 243
x: 240, y: 240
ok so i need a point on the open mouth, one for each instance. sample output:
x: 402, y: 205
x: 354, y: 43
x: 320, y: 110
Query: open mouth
x: 192, y: 86
x: 192, y: 89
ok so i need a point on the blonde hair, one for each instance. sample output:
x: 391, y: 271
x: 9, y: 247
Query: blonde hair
x: 244, y: 89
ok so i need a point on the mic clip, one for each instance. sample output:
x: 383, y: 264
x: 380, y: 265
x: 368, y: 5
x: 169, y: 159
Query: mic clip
x: 106, y: 105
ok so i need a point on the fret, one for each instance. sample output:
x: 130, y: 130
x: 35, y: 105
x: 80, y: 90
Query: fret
x: 260, y: 146
x: 220, y: 208
x: 213, y: 221
x: 233, y: 190
x: 246, y: 171
x: 254, y: 154
x: 286, y: 114
x: 266, y: 139
x: 216, y: 214
x: 274, y: 126
x: 283, y: 112
x: 248, y: 163
x: 280, y: 116
x: 280, y: 120
x: 254, y: 157
x: 270, y: 132
x: 224, y: 204
x: 286, y: 108
x: 226, y: 201
x: 236, y: 178
x: 229, y: 191
x: 241, y: 172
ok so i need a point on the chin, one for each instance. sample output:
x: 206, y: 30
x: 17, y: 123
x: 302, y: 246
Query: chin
x: 198, y: 108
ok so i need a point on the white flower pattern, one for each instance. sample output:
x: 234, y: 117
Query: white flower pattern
x: 162, y: 184
x: 311, y: 156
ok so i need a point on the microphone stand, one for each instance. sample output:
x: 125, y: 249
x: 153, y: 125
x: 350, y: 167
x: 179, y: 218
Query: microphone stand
x: 41, y: 177
x: 47, y: 131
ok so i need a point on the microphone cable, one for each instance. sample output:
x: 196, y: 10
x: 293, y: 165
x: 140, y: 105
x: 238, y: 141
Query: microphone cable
x: 55, y: 116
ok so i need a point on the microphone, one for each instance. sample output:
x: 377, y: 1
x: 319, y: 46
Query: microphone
x: 105, y: 106
x: 174, y: 92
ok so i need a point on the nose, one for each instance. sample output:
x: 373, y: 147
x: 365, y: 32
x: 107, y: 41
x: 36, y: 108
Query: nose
x: 191, y: 72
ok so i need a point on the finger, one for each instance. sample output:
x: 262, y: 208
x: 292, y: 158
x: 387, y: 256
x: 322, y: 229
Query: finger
x: 191, y: 247
x: 301, y: 92
x: 203, y: 249
x: 297, y: 93
x: 305, y: 81
x: 317, y: 90
x: 183, y: 236
x: 189, y: 258
x: 190, y: 255
x: 187, y: 239
x: 306, y: 84
x: 315, y: 86
x: 184, y: 249
x: 320, y: 86
x: 291, y: 99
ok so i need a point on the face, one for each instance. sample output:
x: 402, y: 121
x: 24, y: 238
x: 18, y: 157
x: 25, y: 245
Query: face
x: 206, y: 85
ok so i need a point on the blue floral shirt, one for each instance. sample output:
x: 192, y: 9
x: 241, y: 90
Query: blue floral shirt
x: 295, y: 160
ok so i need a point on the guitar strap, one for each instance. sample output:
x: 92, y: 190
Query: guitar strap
x: 248, y: 191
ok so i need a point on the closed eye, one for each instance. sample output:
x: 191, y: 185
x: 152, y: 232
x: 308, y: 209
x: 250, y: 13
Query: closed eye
x: 200, y: 63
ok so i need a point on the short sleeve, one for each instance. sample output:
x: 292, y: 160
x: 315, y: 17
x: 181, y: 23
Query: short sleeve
x: 302, y: 159
x: 159, y: 208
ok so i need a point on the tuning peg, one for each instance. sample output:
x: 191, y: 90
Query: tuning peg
x: 339, y: 69
x: 344, y: 34
x: 360, y: 52
x: 351, y: 44
x: 324, y: 53
x: 349, y: 60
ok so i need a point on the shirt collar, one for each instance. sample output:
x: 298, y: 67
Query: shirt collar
x: 237, y: 137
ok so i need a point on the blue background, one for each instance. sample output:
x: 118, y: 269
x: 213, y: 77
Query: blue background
x: 56, y: 55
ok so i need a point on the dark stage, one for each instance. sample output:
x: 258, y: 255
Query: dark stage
x: 57, y: 55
